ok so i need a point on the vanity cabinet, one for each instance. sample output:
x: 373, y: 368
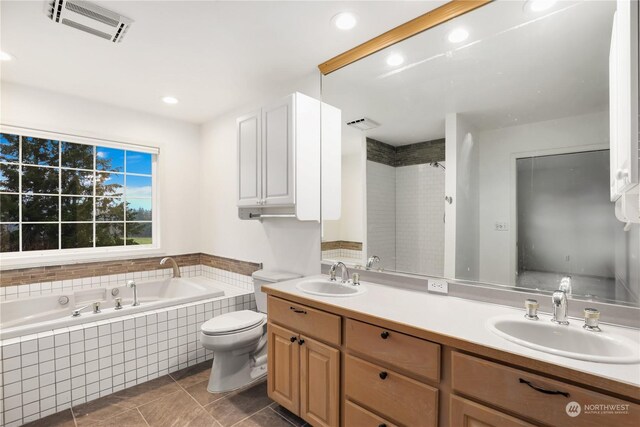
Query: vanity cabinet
x: 533, y: 396
x: 332, y: 366
x: 303, y: 372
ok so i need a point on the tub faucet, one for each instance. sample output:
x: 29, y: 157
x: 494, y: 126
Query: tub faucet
x: 132, y: 284
x: 95, y: 307
x: 174, y: 265
x: 560, y: 308
x: 372, y: 260
x: 344, y: 272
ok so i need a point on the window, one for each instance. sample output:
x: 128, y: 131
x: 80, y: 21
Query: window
x: 61, y: 195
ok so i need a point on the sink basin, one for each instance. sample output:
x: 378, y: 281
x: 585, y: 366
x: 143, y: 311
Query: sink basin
x: 569, y: 341
x: 326, y: 288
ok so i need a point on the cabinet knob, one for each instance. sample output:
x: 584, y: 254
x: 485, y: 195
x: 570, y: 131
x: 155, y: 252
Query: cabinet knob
x: 383, y: 375
x: 293, y: 339
x: 384, y: 335
x: 300, y: 341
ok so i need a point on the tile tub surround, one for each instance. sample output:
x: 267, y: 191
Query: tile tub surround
x: 178, y: 399
x: 52, y: 371
x: 55, y: 273
x: 56, y: 286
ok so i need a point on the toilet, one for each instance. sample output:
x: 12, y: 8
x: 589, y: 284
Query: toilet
x: 239, y: 339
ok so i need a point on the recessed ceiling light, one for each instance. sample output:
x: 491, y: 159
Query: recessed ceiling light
x: 170, y: 100
x: 539, y: 5
x: 4, y: 56
x: 344, y: 20
x: 394, y: 59
x: 458, y: 35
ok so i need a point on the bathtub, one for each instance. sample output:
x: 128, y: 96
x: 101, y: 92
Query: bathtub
x: 31, y: 315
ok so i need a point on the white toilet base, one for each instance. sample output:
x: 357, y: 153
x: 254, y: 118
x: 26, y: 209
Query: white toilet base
x: 232, y: 371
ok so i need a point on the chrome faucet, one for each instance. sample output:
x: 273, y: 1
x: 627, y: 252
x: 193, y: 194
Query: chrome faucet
x: 95, y: 306
x: 132, y: 284
x: 371, y: 261
x: 560, y: 307
x: 344, y: 273
x: 174, y: 265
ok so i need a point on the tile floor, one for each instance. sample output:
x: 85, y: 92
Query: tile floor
x: 179, y: 399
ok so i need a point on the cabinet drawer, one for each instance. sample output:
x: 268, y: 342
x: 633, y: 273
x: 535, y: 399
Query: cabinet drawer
x: 463, y: 412
x: 305, y: 320
x: 393, y: 396
x: 515, y: 391
x: 395, y: 349
x: 357, y: 416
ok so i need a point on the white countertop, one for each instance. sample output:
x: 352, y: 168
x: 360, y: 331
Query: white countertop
x: 464, y: 320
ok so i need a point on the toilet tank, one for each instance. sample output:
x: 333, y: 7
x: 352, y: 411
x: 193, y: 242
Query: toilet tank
x: 265, y: 277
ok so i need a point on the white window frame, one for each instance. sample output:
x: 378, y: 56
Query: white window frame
x: 11, y: 260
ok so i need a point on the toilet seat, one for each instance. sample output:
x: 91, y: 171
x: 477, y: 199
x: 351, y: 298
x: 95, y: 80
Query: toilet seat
x: 233, y: 323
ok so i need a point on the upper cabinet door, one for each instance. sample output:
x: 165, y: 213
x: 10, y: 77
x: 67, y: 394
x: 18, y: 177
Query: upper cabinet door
x: 249, y: 159
x: 278, y: 153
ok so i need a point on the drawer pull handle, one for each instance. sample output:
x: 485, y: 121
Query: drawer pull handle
x: 295, y: 310
x: 293, y: 339
x: 301, y: 341
x: 382, y: 425
x: 543, y: 390
x: 383, y: 375
x: 384, y: 335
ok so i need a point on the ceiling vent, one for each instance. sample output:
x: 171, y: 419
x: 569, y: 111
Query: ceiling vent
x: 90, y: 18
x: 363, y: 124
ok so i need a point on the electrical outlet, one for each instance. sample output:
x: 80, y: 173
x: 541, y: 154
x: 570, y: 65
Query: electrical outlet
x: 501, y: 226
x: 439, y: 286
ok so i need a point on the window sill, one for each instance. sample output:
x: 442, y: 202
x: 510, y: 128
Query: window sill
x: 46, y: 258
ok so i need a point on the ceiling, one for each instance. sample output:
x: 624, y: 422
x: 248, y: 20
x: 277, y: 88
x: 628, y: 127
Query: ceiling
x: 212, y: 55
x: 516, y: 67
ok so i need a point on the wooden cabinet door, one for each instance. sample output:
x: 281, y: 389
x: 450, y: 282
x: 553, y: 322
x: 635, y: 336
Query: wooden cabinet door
x: 278, y: 153
x: 465, y: 413
x: 249, y: 131
x: 283, y: 373
x: 319, y: 383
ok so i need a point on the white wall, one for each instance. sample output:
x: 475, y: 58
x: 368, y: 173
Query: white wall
x: 178, y: 142
x: 466, y: 201
x: 498, y: 149
x: 284, y: 244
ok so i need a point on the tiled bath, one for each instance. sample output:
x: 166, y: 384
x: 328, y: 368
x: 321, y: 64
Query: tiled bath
x: 52, y: 371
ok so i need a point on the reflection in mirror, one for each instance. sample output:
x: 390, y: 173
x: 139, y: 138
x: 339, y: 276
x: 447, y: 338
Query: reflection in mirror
x: 487, y: 158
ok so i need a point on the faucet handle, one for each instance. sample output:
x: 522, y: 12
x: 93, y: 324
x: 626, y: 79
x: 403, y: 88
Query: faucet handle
x: 131, y: 283
x: 96, y: 307
x: 591, y: 320
x: 118, y: 302
x: 332, y: 275
x: 532, y: 309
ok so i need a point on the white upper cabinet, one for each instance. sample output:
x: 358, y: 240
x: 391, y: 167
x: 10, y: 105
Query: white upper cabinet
x: 279, y: 155
x: 623, y: 98
x: 249, y: 159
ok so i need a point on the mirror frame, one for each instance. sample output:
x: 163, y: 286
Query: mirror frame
x: 409, y: 29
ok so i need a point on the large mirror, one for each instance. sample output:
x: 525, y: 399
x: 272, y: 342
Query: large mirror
x: 479, y: 150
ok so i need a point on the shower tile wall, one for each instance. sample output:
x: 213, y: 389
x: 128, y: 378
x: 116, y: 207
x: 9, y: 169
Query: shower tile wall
x: 419, y: 219
x: 381, y: 213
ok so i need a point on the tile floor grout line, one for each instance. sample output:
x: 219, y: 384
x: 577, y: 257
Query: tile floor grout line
x: 251, y: 415
x: 202, y: 406
x: 143, y: 418
x: 281, y: 416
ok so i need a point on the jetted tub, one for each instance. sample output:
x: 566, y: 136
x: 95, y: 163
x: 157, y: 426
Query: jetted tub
x: 31, y: 315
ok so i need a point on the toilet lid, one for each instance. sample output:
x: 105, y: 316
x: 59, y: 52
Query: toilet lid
x: 230, y: 322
